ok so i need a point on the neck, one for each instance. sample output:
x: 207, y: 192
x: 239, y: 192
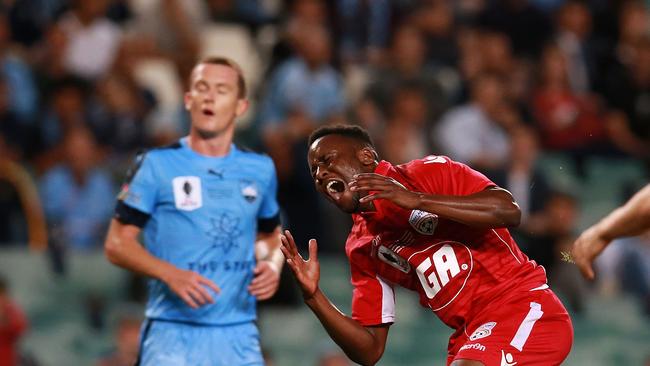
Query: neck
x: 215, y: 146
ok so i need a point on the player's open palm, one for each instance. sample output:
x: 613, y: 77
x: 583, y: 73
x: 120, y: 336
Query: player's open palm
x: 385, y: 188
x: 307, y: 272
x: 191, y: 287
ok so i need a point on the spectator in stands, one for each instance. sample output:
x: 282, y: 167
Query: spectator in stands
x: 304, y: 92
x: 77, y: 194
x: 13, y: 325
x: 476, y: 133
x: 557, y: 225
x: 573, y: 41
x: 364, y: 28
x: 435, y: 20
x: 568, y: 121
x: 21, y: 216
x: 405, y: 137
x: 92, y: 39
x: 127, y: 343
x: 23, y: 96
x: 527, y: 183
x: 628, y: 94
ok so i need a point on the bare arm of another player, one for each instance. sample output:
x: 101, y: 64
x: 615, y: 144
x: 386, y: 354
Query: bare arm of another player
x: 491, y: 208
x: 269, y: 264
x: 631, y: 219
x: 363, y: 345
x: 123, y: 249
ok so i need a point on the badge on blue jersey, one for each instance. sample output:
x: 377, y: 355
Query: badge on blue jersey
x: 248, y: 190
x: 187, y: 193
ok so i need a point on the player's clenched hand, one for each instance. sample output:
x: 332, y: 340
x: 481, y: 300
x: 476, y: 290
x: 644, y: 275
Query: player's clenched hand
x: 191, y: 287
x: 588, y: 246
x: 266, y: 280
x: 307, y: 272
x: 386, y: 188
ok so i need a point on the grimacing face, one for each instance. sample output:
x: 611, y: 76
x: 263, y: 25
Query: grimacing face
x: 333, y: 162
x: 213, y: 99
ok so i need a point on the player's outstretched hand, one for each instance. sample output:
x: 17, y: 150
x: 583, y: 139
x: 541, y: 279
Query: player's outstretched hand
x: 384, y: 187
x: 588, y: 246
x: 191, y: 287
x: 266, y: 280
x: 306, y: 272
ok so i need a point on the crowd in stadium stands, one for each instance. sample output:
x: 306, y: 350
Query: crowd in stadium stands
x: 494, y: 84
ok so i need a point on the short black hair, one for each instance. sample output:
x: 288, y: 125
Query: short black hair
x: 351, y: 131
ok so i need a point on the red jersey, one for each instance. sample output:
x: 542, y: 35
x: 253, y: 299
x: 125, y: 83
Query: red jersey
x: 455, y: 269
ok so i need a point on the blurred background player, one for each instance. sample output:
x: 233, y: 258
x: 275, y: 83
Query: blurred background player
x: 439, y: 228
x: 200, y: 204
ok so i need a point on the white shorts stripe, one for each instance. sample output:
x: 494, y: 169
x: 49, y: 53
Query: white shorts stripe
x: 526, y: 326
x: 387, y: 302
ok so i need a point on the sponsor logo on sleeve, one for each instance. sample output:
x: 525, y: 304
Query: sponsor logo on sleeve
x: 482, y: 331
x: 393, y: 259
x: 187, y: 193
x: 423, y: 222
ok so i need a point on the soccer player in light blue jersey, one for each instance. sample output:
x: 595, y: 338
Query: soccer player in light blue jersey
x: 210, y: 223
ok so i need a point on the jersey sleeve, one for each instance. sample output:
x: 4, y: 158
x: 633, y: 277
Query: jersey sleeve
x: 268, y: 217
x: 441, y: 175
x: 373, y: 299
x: 140, y: 189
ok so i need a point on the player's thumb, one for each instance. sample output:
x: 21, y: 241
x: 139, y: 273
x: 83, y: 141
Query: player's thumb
x: 313, y: 249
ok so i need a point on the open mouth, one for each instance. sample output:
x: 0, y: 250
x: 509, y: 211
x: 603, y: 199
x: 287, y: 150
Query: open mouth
x: 335, y: 188
x: 208, y: 112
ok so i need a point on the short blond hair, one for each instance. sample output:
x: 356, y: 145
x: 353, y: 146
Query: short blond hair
x: 225, y: 61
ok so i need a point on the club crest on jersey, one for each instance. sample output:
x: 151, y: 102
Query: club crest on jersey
x: 393, y: 259
x: 482, y: 331
x: 187, y: 193
x: 423, y: 222
x: 248, y: 190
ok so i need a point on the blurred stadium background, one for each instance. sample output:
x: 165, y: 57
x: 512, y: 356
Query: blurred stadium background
x: 550, y: 98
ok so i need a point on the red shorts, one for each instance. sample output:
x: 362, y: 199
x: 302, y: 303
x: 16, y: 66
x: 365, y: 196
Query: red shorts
x: 533, y: 329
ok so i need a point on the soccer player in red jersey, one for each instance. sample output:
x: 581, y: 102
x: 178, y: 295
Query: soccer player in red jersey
x: 438, y: 228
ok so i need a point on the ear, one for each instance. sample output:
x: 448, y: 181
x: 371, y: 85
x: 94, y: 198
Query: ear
x: 242, y: 107
x: 367, y: 156
x: 187, y: 100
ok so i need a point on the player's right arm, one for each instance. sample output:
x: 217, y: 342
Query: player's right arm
x: 363, y: 345
x: 123, y: 249
x: 136, y: 203
x: 631, y: 219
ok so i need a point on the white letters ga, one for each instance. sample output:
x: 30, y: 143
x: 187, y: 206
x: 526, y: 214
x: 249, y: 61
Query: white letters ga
x: 445, y: 268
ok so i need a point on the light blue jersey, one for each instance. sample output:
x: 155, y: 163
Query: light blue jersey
x: 202, y: 214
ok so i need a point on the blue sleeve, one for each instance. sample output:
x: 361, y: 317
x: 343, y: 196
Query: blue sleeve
x: 270, y: 207
x: 141, y: 187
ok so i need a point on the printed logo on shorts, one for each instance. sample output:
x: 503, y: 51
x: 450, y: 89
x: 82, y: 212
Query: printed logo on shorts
x: 482, y: 331
x: 476, y: 346
x: 507, y: 359
x: 187, y: 193
x: 388, y: 256
x: 423, y: 222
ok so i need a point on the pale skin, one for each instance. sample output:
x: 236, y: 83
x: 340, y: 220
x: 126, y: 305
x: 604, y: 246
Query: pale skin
x: 633, y: 218
x: 336, y: 157
x: 214, y: 103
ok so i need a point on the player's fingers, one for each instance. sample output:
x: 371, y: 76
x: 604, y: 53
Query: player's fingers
x: 261, y: 287
x: 189, y: 300
x: 291, y: 243
x: 372, y: 197
x: 197, y: 295
x: 205, y: 295
x: 313, y: 250
x: 210, y: 284
x: 585, y: 268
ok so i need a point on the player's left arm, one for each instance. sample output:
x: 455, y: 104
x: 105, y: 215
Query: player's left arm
x: 267, y: 246
x: 269, y: 264
x: 492, y: 207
